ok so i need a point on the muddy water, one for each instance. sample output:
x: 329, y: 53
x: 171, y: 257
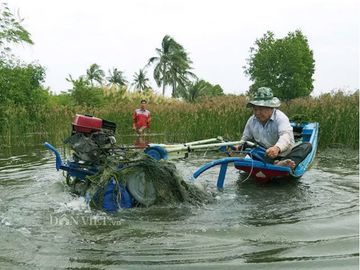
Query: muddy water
x: 309, y: 224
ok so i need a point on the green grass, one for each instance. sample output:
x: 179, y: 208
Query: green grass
x: 337, y: 113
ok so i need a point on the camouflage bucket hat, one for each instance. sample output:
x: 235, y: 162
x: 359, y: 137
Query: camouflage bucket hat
x: 264, y: 97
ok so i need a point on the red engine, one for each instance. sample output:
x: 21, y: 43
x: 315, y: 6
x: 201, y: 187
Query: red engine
x: 89, y: 124
x: 92, y: 138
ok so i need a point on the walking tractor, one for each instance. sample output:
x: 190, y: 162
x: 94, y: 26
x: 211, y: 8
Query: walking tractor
x: 92, y: 141
x: 112, y: 177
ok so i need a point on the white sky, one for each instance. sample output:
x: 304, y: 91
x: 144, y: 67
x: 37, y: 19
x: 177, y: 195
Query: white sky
x: 70, y: 35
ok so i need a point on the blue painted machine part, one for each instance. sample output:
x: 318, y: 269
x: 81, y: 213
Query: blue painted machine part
x: 111, y: 196
x: 110, y: 202
x: 257, y: 155
x: 72, y: 168
x: 156, y: 152
x: 223, y: 162
x: 79, y: 172
x: 221, y: 177
x: 57, y: 155
x: 127, y: 200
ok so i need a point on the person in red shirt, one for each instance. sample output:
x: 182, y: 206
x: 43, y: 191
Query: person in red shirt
x: 141, y: 118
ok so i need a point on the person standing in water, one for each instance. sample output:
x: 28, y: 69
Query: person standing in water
x: 141, y: 118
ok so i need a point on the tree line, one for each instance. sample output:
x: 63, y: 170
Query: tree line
x: 286, y: 65
x: 171, y: 68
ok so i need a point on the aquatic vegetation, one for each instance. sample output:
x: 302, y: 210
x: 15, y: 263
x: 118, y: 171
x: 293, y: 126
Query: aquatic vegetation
x: 159, y: 182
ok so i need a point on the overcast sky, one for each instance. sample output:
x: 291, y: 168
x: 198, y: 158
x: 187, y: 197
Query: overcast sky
x: 70, y: 35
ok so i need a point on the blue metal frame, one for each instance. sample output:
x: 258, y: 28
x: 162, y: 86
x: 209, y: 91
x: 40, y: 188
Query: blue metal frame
x: 223, y: 162
x: 58, y: 161
x: 157, y: 152
x: 74, y: 169
x: 80, y: 172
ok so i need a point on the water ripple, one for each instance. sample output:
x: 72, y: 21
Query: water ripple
x: 311, y: 223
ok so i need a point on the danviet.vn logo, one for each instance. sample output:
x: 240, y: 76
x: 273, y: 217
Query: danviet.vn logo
x: 80, y: 220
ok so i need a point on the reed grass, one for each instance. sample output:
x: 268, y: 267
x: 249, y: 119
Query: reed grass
x: 337, y: 113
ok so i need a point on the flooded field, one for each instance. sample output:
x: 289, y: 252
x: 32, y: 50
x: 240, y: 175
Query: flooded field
x: 309, y: 224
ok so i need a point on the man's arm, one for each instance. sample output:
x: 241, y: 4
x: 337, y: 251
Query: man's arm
x: 285, y: 141
x: 247, y: 134
x: 285, y: 132
x: 286, y: 136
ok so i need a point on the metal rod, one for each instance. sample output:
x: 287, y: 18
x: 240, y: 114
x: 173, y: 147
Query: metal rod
x: 205, y: 141
x: 187, y: 143
x: 203, y: 146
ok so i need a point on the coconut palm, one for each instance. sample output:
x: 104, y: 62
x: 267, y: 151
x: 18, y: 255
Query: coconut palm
x: 180, y: 77
x: 172, y: 64
x: 141, y: 81
x: 82, y: 81
x: 95, y: 73
x: 192, y: 92
x: 116, y: 78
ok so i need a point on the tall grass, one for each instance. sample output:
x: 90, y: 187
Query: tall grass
x: 337, y: 113
x: 23, y: 127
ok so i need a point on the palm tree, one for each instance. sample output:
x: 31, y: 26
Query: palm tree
x: 80, y: 82
x: 172, y: 64
x: 192, y: 92
x: 95, y: 73
x: 141, y: 81
x: 116, y: 78
x: 180, y: 78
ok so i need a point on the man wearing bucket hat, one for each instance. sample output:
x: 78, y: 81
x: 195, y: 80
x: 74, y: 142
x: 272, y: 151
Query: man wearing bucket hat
x: 270, y: 127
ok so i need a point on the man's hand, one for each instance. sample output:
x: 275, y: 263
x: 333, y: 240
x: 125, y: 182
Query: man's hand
x: 273, y: 151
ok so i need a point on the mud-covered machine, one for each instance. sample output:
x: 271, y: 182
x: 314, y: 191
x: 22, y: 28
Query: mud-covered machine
x: 92, y: 141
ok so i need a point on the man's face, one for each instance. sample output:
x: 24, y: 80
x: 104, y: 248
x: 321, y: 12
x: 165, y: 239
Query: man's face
x: 143, y: 105
x: 263, y: 114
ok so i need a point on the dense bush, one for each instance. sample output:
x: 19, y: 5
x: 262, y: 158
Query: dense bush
x: 21, y: 85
